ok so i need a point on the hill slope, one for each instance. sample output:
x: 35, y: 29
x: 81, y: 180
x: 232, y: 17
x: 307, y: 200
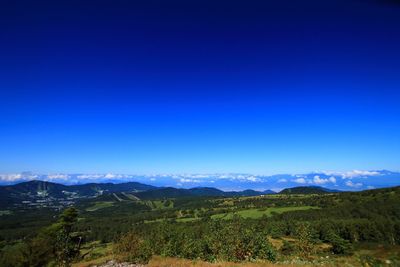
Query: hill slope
x: 170, y: 192
x: 40, y: 191
x: 47, y: 194
x: 308, y: 190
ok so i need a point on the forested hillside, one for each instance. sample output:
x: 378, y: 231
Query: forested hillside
x: 332, y: 228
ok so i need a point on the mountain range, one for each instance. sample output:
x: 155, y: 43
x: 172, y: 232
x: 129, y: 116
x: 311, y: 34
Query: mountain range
x: 348, y: 181
x: 48, y: 194
x: 35, y: 190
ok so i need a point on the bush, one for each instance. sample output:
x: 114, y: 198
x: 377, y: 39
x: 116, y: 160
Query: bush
x: 221, y: 240
x: 340, y: 245
x: 306, y: 240
x: 132, y: 248
x: 262, y: 249
x: 14, y: 255
x: 288, y: 248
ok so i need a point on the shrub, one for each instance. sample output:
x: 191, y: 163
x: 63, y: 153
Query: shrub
x: 288, y: 248
x: 262, y: 249
x: 306, y: 241
x: 340, y: 245
x: 132, y: 248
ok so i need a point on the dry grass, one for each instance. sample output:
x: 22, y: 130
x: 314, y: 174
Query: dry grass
x: 158, y: 261
x: 97, y: 261
x: 174, y: 262
x: 276, y: 243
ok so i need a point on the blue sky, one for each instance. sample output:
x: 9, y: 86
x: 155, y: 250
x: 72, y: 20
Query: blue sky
x: 199, y: 86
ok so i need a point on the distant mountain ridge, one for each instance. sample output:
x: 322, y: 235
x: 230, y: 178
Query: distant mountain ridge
x: 354, y: 180
x: 308, y: 190
x: 171, y: 192
x: 39, y: 191
x: 34, y: 190
x: 84, y: 189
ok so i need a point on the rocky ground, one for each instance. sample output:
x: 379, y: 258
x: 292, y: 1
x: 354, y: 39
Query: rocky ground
x: 119, y: 264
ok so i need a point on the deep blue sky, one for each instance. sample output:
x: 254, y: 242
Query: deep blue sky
x: 199, y: 86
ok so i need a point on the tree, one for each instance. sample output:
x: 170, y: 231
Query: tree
x: 131, y: 247
x: 306, y: 244
x: 67, y: 244
x: 340, y: 245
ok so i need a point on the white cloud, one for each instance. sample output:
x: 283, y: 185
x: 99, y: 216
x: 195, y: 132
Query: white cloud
x: 283, y: 180
x: 371, y: 187
x: 10, y: 177
x: 58, y: 176
x: 199, y: 176
x: 319, y: 180
x: 184, y: 180
x: 299, y: 180
x: 90, y: 176
x: 352, y: 174
x: 355, y: 185
x: 224, y: 176
x: 253, y: 179
x: 15, y: 177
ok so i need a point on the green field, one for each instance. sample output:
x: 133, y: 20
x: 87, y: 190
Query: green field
x: 159, y: 204
x: 258, y: 213
x: 100, y: 205
x: 187, y: 219
x: 130, y: 197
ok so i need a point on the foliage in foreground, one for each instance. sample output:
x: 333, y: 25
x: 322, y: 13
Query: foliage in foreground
x: 55, y: 245
x: 343, y: 221
x: 228, y: 241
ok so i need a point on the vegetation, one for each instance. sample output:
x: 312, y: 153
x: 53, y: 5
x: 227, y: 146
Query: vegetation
x: 54, y: 245
x: 258, y: 213
x: 330, y: 228
x: 100, y: 205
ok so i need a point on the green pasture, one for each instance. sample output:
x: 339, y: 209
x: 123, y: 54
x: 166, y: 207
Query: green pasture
x: 100, y: 205
x: 258, y: 213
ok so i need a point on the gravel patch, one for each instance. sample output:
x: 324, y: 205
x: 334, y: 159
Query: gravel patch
x: 119, y: 264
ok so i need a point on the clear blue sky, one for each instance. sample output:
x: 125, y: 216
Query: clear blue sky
x: 199, y: 86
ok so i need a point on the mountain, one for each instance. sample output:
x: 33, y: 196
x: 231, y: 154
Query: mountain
x: 38, y: 193
x: 42, y: 193
x: 269, y: 192
x: 307, y: 190
x: 170, y: 192
x: 34, y: 188
x: 249, y: 193
x: 206, y: 191
x: 161, y: 193
x: 47, y: 194
x: 93, y: 188
x: 58, y: 190
x: 30, y: 191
